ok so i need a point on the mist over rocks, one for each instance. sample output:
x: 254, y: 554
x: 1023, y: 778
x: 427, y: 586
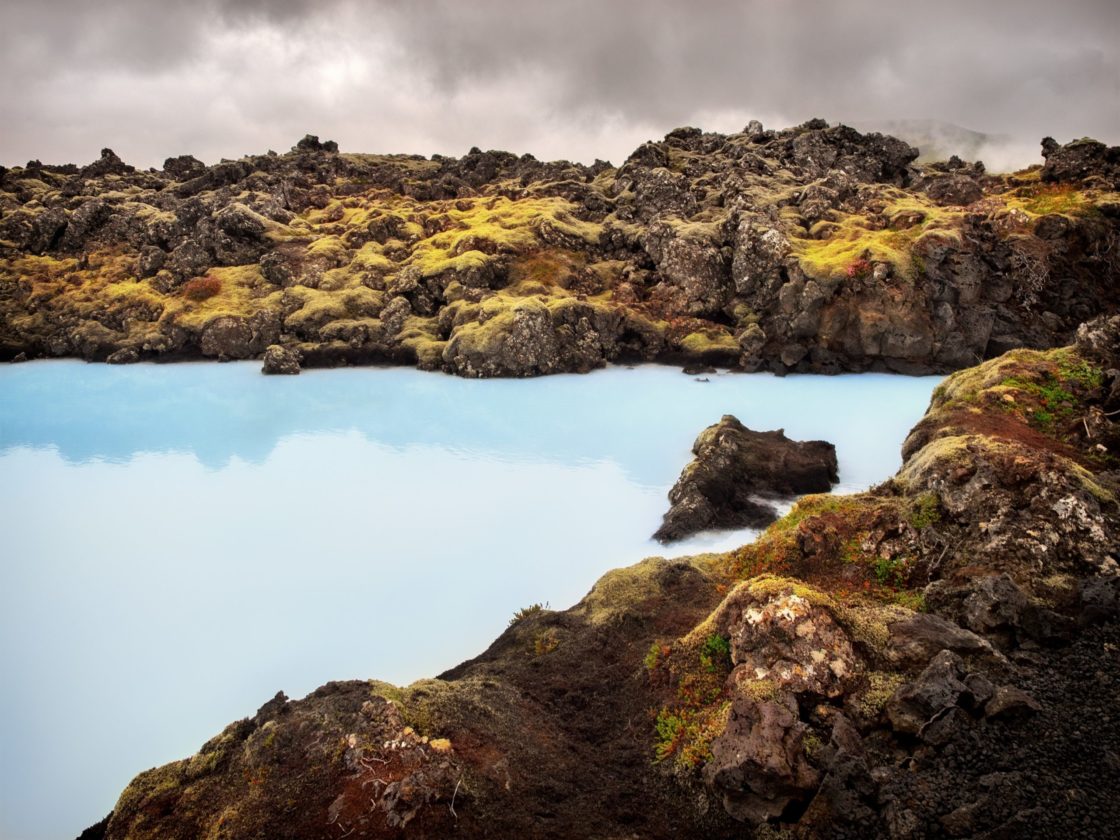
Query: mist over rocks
x: 811, y: 249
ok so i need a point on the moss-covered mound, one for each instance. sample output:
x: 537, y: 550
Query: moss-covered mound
x: 924, y: 659
x: 813, y: 249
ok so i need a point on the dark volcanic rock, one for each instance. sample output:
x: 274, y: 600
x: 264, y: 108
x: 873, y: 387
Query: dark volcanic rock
x: 701, y: 249
x: 1009, y: 701
x: 311, y: 143
x: 938, y: 688
x: 758, y: 764
x: 95, y: 831
x: 917, y: 638
x: 184, y: 167
x: 280, y: 360
x: 954, y: 189
x: 1085, y: 158
x: 107, y: 164
x: 124, y: 356
x: 734, y: 470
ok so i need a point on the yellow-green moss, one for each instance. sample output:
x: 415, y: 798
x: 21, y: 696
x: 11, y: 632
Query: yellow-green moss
x: 1043, y: 389
x: 319, y: 307
x: 760, y: 691
x: 855, y: 241
x: 243, y: 292
x: 1049, y: 199
x: 149, y: 784
x: 881, y: 686
x: 712, y: 340
x: 330, y: 249
x: 619, y: 589
x: 700, y: 231
x: 388, y: 691
x: 767, y: 586
x: 686, y: 734
x: 370, y: 258
x: 149, y: 213
x: 498, y: 225
x: 432, y: 261
x: 347, y: 329
x: 939, y: 451
x: 964, y: 386
x: 421, y: 336
x: 776, y: 548
x: 867, y: 621
x: 925, y: 511
x: 1089, y: 482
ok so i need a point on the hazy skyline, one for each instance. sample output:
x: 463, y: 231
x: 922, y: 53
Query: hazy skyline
x: 578, y: 80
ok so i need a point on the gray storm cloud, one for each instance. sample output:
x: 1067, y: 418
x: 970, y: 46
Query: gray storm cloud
x: 577, y: 79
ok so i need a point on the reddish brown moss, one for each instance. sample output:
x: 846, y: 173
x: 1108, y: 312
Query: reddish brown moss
x: 202, y: 288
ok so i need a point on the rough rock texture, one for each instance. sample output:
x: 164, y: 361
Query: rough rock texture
x: 280, y: 360
x: 1081, y: 159
x: 733, y: 473
x: 815, y: 248
x: 934, y: 657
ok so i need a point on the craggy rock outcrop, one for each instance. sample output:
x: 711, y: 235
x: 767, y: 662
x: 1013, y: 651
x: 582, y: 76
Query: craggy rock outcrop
x: 736, y: 471
x: 815, y: 248
x: 934, y: 657
x: 1081, y: 160
x: 280, y: 360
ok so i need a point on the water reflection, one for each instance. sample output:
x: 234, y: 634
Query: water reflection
x: 183, y: 541
x: 219, y: 412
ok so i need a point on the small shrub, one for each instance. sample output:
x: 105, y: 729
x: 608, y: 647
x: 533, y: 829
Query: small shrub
x: 525, y: 612
x: 811, y: 744
x: 686, y: 735
x: 859, y: 269
x: 546, y: 642
x: 890, y: 571
x: 700, y: 688
x: 201, y: 288
x: 925, y: 512
x: 715, y: 655
x: 669, y: 730
x: 915, y: 601
x: 655, y: 656
x: 1055, y: 402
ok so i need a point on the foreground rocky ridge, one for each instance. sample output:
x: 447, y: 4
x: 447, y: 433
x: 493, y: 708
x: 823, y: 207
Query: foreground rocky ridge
x: 935, y: 657
x: 810, y: 249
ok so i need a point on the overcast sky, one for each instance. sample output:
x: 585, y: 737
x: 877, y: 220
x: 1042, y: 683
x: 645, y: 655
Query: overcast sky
x: 576, y: 79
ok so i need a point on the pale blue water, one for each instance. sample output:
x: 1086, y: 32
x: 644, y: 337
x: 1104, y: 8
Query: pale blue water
x: 182, y: 541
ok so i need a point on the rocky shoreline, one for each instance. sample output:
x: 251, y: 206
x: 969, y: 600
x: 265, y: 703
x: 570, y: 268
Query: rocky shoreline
x: 812, y: 249
x: 935, y: 657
